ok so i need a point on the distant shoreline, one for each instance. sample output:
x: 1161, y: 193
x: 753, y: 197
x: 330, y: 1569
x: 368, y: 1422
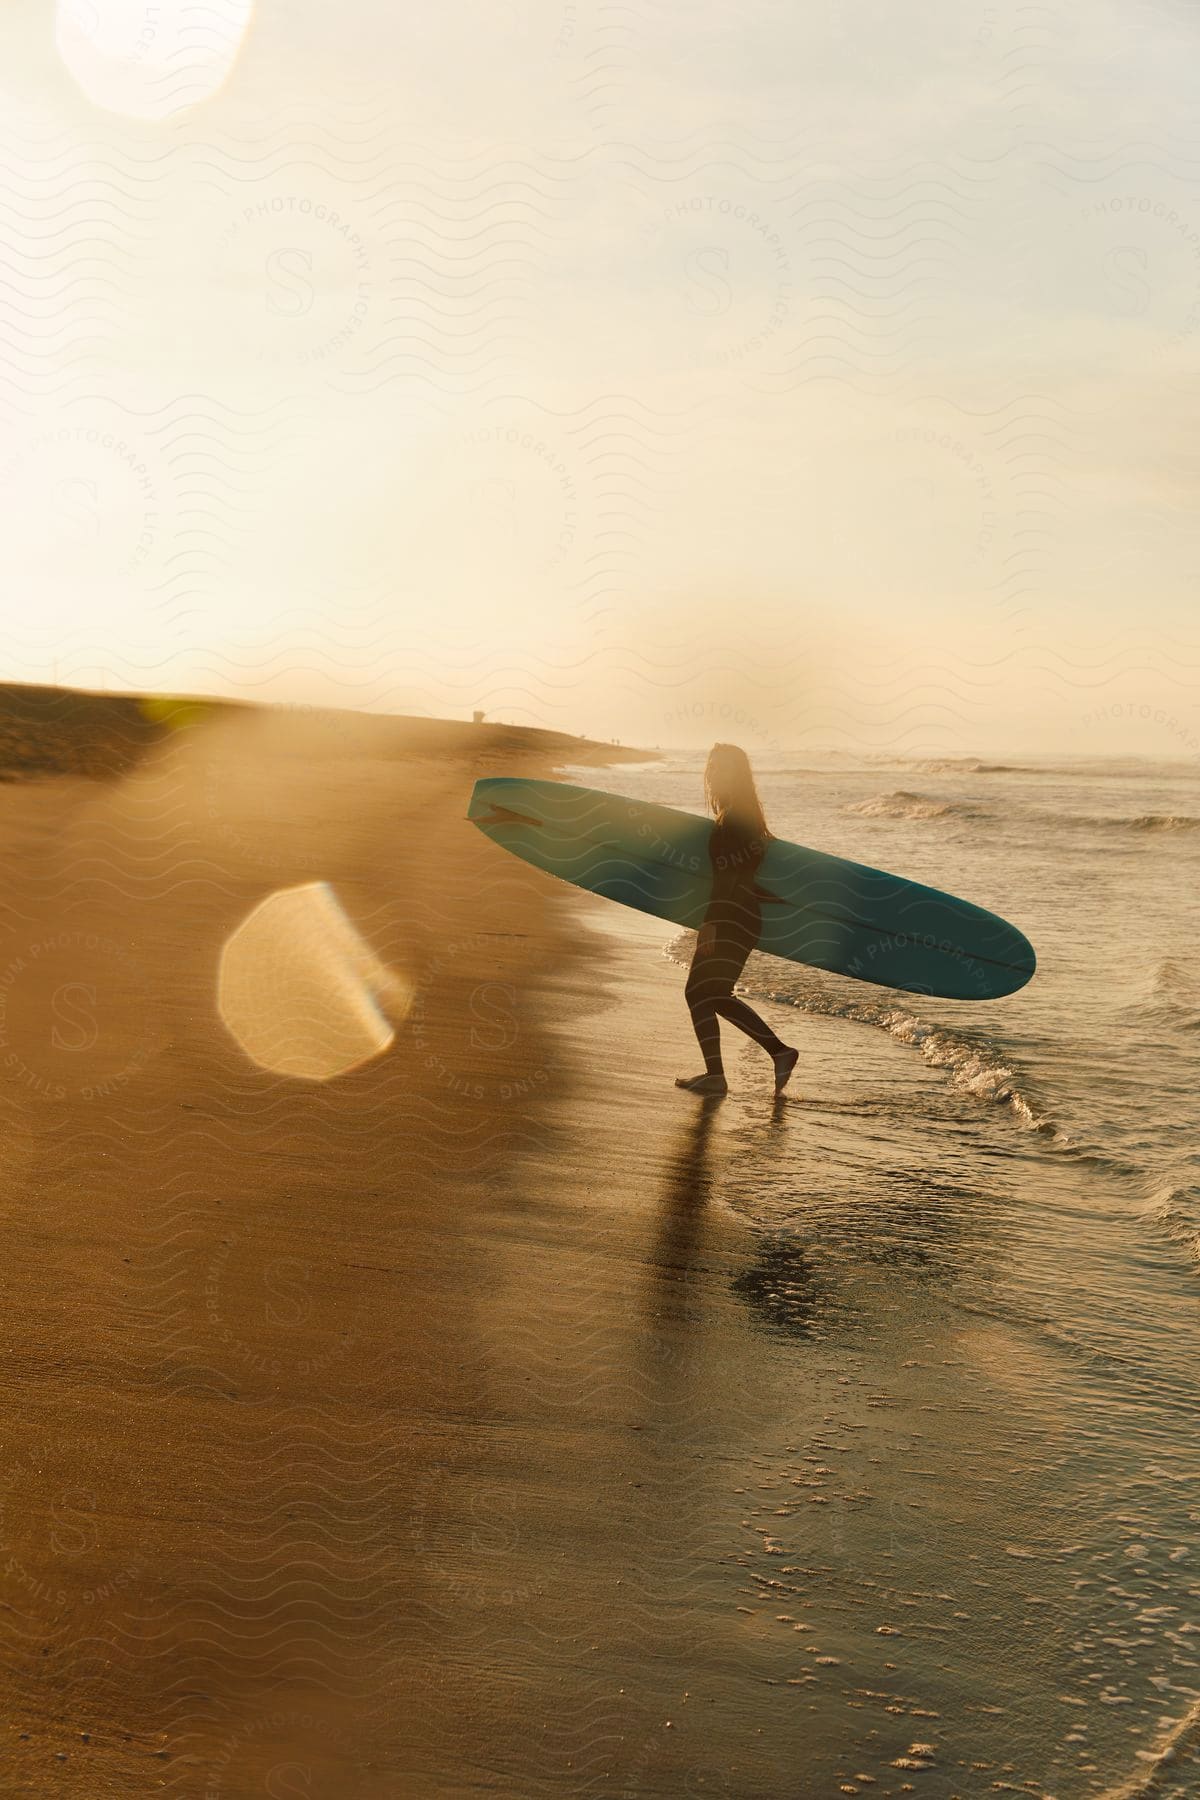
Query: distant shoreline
x: 48, y: 731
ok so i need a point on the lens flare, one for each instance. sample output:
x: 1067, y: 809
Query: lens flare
x: 302, y: 993
x: 150, y: 61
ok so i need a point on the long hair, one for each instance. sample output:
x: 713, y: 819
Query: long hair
x: 730, y: 791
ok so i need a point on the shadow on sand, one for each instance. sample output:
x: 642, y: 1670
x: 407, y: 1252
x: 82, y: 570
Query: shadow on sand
x: 779, y: 1285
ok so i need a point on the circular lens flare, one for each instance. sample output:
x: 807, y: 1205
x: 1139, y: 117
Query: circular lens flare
x: 301, y: 991
x: 150, y: 59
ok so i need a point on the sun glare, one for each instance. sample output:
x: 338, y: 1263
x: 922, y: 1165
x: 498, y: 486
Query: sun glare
x: 301, y: 991
x: 150, y: 59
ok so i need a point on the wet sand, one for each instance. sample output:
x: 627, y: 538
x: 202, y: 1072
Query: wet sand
x: 379, y: 1437
x: 457, y: 1426
x: 248, y: 1318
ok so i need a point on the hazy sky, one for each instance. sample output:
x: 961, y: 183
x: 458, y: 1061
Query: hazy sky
x: 815, y: 376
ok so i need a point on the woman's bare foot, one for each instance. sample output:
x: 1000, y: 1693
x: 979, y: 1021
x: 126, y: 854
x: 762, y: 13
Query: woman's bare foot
x: 785, y: 1062
x: 703, y: 1084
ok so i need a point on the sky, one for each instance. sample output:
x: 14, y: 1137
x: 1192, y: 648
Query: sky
x: 821, y: 375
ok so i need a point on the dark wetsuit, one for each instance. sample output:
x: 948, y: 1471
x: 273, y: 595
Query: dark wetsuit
x: 735, y: 916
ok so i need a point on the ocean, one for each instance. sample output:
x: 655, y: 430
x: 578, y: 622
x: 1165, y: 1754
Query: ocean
x: 983, y: 1220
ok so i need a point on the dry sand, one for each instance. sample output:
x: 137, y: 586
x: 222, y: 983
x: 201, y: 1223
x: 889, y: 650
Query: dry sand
x: 371, y: 1437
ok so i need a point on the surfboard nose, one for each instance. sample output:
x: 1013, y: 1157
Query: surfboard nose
x: 1024, y: 959
x: 485, y: 794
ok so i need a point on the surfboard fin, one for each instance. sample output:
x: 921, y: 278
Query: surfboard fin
x: 504, y: 815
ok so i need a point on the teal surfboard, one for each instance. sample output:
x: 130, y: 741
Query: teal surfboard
x: 816, y: 909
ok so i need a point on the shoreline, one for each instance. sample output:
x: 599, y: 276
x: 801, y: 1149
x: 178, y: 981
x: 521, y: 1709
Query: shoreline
x: 103, y: 735
x: 661, y: 1342
x: 496, y: 1418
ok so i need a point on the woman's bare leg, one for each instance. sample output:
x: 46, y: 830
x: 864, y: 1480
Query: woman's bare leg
x: 747, y: 1020
x: 730, y: 1007
x: 710, y: 999
x: 701, y: 999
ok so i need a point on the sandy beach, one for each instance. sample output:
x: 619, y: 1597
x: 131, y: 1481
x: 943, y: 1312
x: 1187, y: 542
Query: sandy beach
x: 250, y: 1319
x: 780, y: 419
x: 476, y: 1422
x: 404, y: 1434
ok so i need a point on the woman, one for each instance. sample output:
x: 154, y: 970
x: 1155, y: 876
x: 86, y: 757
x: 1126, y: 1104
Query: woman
x: 729, y: 933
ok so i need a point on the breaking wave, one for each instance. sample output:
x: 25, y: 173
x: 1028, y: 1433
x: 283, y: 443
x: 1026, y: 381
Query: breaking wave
x: 903, y: 805
x: 967, y: 765
x: 1173, y: 1212
x: 1160, y: 822
x: 1170, y: 999
x: 975, y: 1065
x: 1143, y: 822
